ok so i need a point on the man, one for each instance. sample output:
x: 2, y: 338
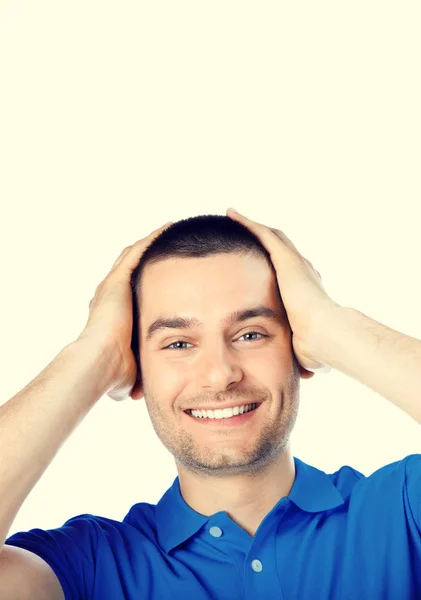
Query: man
x: 227, y: 316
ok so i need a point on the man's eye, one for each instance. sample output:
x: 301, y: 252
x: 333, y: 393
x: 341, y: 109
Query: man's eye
x: 173, y: 344
x: 244, y: 334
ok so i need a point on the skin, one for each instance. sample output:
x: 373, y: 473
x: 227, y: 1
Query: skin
x: 221, y: 468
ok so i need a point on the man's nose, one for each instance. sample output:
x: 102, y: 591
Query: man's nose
x: 218, y: 367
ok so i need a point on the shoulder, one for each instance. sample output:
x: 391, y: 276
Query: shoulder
x: 86, y: 547
x: 395, y: 487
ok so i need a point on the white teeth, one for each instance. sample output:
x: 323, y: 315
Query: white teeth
x: 225, y: 413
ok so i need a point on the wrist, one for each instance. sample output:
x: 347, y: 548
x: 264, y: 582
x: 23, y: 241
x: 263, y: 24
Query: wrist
x: 325, y: 326
x: 99, y: 357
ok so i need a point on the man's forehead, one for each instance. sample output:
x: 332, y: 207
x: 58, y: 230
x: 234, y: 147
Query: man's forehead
x: 217, y: 270
x: 190, y: 290
x: 191, y: 286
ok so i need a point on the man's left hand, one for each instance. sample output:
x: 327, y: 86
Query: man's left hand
x: 306, y: 302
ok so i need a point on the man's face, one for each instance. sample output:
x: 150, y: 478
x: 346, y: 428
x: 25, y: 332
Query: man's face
x: 217, y: 363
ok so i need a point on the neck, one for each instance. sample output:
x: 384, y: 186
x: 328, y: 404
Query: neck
x: 247, y: 498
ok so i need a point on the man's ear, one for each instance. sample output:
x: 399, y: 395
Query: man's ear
x: 137, y: 391
x: 304, y: 374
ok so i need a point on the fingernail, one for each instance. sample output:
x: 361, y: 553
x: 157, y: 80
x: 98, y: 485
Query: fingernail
x: 233, y: 210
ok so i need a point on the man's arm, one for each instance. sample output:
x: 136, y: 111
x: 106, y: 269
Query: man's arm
x: 387, y: 361
x: 35, y: 423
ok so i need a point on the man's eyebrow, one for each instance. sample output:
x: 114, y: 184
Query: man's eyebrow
x: 177, y: 322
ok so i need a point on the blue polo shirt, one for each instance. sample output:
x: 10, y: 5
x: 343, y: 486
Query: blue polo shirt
x: 338, y: 536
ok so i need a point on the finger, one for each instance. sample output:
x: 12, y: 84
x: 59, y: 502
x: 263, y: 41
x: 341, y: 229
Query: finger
x: 264, y: 233
x: 286, y: 240
x: 139, y: 244
x: 131, y: 259
x: 258, y: 228
x: 122, y: 255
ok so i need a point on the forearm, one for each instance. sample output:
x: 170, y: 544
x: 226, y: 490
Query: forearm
x: 387, y: 361
x: 38, y: 419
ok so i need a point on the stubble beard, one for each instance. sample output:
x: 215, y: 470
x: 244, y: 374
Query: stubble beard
x: 219, y: 459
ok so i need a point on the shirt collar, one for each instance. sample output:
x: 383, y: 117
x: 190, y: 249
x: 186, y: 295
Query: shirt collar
x: 312, y: 491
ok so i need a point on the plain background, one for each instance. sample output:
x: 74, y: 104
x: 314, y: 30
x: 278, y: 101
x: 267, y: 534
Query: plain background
x: 116, y: 117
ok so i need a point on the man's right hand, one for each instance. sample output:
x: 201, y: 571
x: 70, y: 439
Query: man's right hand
x: 110, y: 319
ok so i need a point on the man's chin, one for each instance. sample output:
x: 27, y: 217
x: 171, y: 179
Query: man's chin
x: 223, y: 465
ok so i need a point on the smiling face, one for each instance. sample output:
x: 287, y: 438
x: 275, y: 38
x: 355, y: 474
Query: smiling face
x: 217, y: 361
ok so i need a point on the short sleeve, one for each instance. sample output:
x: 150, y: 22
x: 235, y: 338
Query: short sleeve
x: 70, y: 551
x: 413, y: 486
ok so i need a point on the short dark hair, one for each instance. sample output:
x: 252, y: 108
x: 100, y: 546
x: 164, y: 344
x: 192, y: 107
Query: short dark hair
x: 195, y: 237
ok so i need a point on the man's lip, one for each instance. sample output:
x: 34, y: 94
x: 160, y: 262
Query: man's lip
x: 221, y: 407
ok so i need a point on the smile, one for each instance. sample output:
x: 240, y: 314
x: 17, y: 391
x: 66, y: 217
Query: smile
x: 225, y: 413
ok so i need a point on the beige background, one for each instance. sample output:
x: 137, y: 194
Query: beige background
x: 116, y: 117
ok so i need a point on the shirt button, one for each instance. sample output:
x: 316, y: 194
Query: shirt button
x: 215, y: 531
x: 256, y: 565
